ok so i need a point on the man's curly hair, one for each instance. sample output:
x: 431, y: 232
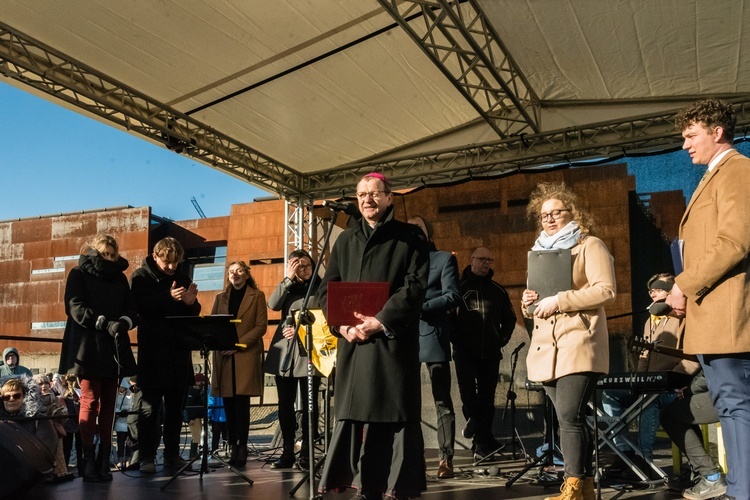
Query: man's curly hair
x: 711, y: 113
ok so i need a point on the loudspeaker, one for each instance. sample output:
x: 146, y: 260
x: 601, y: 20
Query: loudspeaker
x: 24, y: 459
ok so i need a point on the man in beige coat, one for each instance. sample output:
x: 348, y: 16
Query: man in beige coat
x: 713, y: 291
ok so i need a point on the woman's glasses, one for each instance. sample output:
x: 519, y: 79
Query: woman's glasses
x: 15, y: 395
x: 553, y: 215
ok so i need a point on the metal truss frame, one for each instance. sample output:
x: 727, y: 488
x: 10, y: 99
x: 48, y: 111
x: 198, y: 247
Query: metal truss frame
x: 294, y: 237
x: 48, y: 70
x: 41, y: 67
x: 304, y: 229
x: 589, y: 143
x: 458, y: 38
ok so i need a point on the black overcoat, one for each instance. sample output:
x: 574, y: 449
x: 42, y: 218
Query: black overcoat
x: 97, y: 287
x: 164, y: 359
x: 379, y: 380
x: 438, y: 318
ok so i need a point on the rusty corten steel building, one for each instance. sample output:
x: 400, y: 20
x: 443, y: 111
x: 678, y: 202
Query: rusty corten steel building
x: 37, y: 253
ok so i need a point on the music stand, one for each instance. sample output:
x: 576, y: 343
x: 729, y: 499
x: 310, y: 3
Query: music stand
x: 206, y: 333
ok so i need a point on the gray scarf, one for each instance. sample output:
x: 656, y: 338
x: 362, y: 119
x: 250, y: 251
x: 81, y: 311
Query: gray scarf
x: 565, y: 238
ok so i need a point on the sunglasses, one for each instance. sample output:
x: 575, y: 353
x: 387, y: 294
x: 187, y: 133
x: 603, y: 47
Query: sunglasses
x: 15, y: 395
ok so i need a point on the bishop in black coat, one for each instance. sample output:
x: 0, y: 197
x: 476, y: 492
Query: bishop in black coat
x: 378, y: 385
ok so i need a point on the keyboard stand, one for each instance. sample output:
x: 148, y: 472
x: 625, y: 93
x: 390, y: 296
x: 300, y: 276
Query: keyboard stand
x: 607, y: 435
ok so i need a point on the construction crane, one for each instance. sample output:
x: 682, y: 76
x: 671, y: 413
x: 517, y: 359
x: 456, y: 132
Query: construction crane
x: 198, y: 207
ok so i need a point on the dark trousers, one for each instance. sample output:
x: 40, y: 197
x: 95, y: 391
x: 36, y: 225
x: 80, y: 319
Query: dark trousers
x: 570, y: 396
x: 440, y: 378
x: 728, y: 380
x: 286, y: 388
x: 477, y: 381
x: 681, y: 418
x: 237, y: 409
x: 68, y: 440
x: 218, y: 433
x: 123, y: 450
x: 173, y: 399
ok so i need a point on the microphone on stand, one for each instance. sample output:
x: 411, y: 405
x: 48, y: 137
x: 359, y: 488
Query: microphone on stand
x: 659, y: 308
x: 347, y: 208
x: 517, y: 349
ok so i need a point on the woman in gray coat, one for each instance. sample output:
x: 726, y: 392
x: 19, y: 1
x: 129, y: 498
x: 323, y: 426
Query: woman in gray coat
x: 287, y: 358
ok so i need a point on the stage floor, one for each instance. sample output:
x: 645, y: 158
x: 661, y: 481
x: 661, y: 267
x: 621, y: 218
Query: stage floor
x: 471, y: 482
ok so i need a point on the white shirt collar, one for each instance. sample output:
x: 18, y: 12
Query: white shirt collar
x: 717, y: 159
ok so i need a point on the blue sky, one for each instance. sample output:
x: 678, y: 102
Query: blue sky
x: 53, y: 160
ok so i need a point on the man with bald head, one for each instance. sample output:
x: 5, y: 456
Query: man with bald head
x: 377, y: 444
x: 486, y: 320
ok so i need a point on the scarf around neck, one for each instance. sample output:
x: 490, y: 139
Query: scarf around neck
x: 565, y: 238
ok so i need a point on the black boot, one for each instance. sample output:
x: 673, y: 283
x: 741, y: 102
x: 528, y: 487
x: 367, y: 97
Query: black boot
x: 233, y: 451
x: 241, y: 459
x: 102, y: 463
x: 87, y: 469
x: 286, y: 460
x: 193, y: 450
x: 303, y: 459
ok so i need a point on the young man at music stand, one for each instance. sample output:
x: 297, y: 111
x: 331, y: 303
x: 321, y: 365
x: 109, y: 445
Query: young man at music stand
x: 165, y: 371
x: 663, y: 331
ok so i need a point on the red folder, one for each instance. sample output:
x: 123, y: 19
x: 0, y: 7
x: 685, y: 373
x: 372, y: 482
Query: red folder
x: 347, y: 297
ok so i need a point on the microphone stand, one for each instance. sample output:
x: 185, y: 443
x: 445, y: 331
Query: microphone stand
x: 547, y: 458
x: 307, y: 318
x: 510, y: 398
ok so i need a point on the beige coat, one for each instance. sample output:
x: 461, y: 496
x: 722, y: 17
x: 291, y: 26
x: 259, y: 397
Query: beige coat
x: 669, y: 332
x: 576, y: 339
x: 716, y: 280
x: 248, y: 362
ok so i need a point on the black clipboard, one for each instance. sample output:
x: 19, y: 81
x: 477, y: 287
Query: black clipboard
x: 549, y: 272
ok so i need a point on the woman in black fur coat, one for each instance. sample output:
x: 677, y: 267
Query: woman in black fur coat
x: 96, y: 345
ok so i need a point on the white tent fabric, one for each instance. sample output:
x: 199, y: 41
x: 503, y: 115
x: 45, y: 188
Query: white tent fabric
x: 320, y: 84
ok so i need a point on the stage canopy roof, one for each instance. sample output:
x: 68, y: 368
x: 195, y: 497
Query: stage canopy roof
x: 301, y: 97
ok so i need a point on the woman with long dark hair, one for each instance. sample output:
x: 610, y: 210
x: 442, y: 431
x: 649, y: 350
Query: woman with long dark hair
x: 237, y: 374
x: 96, y: 345
x: 287, y: 358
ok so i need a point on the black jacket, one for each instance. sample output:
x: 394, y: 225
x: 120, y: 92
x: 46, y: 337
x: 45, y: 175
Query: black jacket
x: 164, y: 358
x: 486, y: 318
x: 97, y: 287
x: 379, y: 380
